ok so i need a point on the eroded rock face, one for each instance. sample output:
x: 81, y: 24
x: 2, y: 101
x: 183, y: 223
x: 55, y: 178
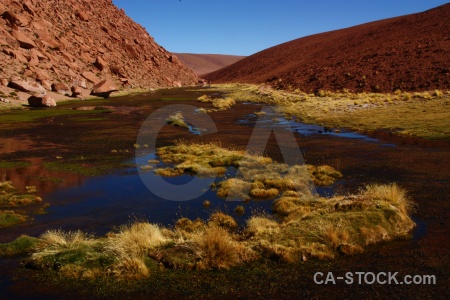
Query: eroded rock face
x: 75, y: 40
x: 44, y: 101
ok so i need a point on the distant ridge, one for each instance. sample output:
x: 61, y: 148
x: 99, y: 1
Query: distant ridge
x: 206, y: 63
x: 410, y: 53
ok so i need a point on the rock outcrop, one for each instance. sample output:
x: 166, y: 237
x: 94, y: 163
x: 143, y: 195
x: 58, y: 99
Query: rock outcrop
x: 80, y: 43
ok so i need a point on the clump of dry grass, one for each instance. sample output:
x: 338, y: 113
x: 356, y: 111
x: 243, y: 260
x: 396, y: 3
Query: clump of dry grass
x: 219, y: 104
x: 324, y: 175
x: 189, y: 226
x: 336, y: 236
x: 177, y: 120
x: 222, y: 220
x: 31, y: 189
x: 389, y: 194
x: 262, y: 225
x: 218, y: 248
x: 59, y: 240
x: 234, y: 187
x: 146, y: 168
x: 264, y: 193
x: 240, y: 210
x: 130, y: 268
x: 136, y: 240
x: 7, y: 187
x: 278, y: 252
x: 169, y: 172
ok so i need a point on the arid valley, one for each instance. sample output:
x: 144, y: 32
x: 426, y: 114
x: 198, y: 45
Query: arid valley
x: 128, y: 171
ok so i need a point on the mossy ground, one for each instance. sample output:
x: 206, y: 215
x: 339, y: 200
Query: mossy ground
x: 12, y: 202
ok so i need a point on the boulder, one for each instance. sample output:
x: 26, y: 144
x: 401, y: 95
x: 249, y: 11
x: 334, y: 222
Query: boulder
x: 61, y: 88
x: 46, y: 84
x: 91, y: 77
x: 4, y: 82
x: 11, y: 17
x: 16, y: 54
x: 2, y: 8
x: 104, y: 88
x: 33, y: 61
x: 37, y: 53
x: 86, y: 57
x: 177, y: 84
x: 23, y: 40
x: 28, y: 7
x: 41, y: 75
x: 76, y: 91
x: 22, y: 20
x: 48, y: 39
x: 27, y: 73
x: 44, y: 101
x: 26, y: 86
x: 82, y: 16
x: 117, y: 71
x: 101, y: 64
x: 4, y: 100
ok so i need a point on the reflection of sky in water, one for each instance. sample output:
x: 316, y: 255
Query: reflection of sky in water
x: 105, y: 201
x: 275, y: 120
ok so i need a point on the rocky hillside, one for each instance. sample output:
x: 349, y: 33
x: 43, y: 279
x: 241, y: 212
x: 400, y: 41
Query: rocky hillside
x: 74, y: 44
x: 207, y: 63
x: 410, y: 53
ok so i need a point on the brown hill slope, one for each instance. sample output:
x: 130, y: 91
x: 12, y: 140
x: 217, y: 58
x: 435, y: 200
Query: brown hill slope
x: 207, y: 63
x: 411, y: 52
x: 80, y: 42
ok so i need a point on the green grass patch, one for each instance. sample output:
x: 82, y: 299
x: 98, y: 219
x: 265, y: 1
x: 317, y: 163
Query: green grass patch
x: 10, y: 218
x: 14, y: 164
x: 22, y: 245
x: 20, y: 116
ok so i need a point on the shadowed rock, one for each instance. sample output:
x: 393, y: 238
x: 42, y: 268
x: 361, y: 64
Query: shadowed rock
x: 24, y: 41
x: 61, y: 88
x: 104, y: 88
x: 44, y: 101
x: 27, y: 86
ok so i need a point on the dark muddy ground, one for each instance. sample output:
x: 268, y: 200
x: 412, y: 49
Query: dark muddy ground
x: 419, y: 166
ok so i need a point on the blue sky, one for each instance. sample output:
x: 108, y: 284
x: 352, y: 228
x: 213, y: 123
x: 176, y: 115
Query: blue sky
x: 244, y: 27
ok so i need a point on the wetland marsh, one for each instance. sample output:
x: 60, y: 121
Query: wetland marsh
x: 82, y: 163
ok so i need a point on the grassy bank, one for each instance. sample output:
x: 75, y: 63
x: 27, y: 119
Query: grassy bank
x: 423, y: 114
